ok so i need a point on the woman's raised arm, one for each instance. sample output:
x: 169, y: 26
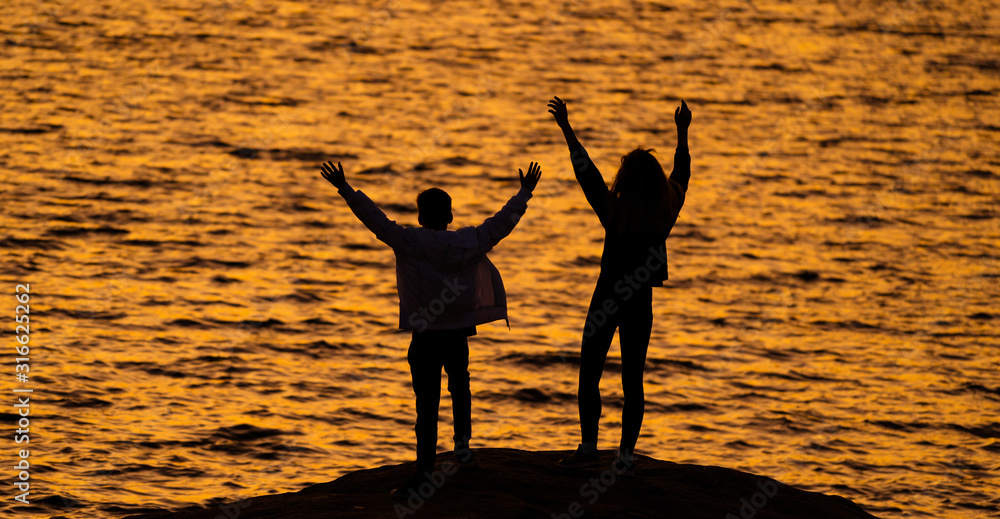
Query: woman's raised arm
x: 587, y: 174
x: 558, y: 110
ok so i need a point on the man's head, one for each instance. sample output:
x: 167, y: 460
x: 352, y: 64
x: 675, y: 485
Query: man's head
x: 434, y: 209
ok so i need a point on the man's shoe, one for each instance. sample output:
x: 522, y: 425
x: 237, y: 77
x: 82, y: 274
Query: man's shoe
x: 581, y: 460
x: 412, y: 483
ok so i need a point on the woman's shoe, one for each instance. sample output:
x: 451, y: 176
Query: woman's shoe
x: 466, y: 459
x: 581, y: 460
x: 623, y: 464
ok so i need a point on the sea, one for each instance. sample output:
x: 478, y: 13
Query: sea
x: 209, y: 321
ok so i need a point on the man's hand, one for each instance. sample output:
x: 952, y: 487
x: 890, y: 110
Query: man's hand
x: 682, y: 116
x: 530, y: 180
x: 558, y: 110
x: 334, y: 174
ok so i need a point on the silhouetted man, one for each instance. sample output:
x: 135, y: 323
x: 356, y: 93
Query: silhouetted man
x: 446, y: 287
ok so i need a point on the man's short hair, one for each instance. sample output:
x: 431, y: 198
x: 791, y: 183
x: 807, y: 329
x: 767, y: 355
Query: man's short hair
x: 434, y: 207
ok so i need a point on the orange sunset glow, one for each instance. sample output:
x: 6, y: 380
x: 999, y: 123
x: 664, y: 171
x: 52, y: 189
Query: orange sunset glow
x: 211, y: 322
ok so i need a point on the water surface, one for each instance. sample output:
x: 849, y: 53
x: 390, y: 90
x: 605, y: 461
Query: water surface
x: 211, y: 321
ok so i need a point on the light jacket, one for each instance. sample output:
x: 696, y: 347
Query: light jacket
x: 444, y: 279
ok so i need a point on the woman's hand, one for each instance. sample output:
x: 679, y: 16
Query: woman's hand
x: 558, y: 110
x: 682, y: 116
x: 334, y: 174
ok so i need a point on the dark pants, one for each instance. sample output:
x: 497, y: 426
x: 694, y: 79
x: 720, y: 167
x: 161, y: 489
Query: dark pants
x: 429, y: 352
x: 630, y: 311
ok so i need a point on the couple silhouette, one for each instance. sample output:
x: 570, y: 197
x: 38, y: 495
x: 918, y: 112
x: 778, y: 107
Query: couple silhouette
x: 447, y: 285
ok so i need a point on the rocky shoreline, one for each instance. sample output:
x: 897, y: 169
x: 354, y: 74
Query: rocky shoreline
x: 523, y: 484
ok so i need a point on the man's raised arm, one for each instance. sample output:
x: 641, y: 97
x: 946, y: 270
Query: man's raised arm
x: 498, y: 226
x: 386, y: 230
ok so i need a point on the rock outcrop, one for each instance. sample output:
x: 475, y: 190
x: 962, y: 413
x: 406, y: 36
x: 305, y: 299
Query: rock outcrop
x: 516, y: 484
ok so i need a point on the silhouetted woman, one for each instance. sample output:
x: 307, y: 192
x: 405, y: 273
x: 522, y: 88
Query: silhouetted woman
x: 637, y: 214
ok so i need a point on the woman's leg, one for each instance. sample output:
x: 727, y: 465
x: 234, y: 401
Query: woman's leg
x: 597, y: 334
x: 633, y: 334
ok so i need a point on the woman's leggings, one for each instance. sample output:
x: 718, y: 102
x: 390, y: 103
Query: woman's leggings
x: 615, y: 305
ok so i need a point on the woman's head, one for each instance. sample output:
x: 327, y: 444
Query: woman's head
x: 641, y: 202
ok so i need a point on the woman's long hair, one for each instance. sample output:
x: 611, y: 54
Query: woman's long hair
x: 641, y: 202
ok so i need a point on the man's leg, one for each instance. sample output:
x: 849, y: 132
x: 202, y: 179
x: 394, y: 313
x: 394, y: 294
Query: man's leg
x: 456, y: 365
x: 425, y: 368
x: 633, y: 334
